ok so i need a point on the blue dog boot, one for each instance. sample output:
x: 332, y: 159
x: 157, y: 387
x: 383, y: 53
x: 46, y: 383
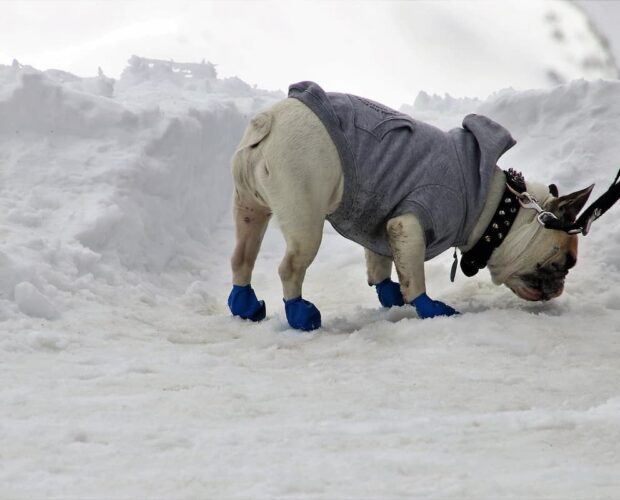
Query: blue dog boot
x: 242, y: 302
x: 389, y: 293
x: 302, y: 314
x: 429, y: 308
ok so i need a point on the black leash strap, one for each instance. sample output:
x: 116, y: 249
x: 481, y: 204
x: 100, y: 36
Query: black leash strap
x: 598, y: 208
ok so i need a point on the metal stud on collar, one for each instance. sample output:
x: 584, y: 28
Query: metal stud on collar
x: 477, y: 257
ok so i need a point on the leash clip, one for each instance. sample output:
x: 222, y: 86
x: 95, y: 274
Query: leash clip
x: 544, y: 218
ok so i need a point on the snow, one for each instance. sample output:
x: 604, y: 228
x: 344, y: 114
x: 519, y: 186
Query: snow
x: 32, y: 302
x: 123, y: 375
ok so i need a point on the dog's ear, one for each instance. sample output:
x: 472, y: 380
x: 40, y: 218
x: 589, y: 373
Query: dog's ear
x: 567, y: 207
x: 553, y: 189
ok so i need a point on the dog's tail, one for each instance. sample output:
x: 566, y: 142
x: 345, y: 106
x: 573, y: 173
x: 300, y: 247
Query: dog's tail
x: 248, y: 160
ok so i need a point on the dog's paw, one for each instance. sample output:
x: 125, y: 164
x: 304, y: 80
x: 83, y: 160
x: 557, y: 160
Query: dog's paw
x: 242, y: 302
x: 389, y: 293
x: 302, y: 314
x: 429, y: 308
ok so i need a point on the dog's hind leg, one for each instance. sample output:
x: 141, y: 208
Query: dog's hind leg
x: 250, y: 225
x: 303, y: 235
x: 408, y: 246
x: 379, y: 272
x: 297, y: 194
x: 298, y: 202
x: 251, y: 215
x: 302, y: 182
x: 251, y: 222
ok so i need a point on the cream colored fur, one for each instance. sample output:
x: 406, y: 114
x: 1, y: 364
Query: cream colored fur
x: 293, y: 172
x: 287, y: 165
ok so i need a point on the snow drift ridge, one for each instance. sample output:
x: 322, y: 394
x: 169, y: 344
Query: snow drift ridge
x: 109, y: 185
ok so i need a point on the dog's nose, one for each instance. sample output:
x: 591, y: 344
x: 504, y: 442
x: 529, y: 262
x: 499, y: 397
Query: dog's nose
x: 571, y: 260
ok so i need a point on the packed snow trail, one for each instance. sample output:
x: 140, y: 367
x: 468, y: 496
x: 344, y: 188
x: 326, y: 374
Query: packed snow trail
x: 176, y: 401
x: 122, y: 373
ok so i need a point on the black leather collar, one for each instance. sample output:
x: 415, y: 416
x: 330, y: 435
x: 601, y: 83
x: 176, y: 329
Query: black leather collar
x: 505, y: 214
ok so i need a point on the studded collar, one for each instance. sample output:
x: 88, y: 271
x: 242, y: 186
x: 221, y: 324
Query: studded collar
x: 505, y: 214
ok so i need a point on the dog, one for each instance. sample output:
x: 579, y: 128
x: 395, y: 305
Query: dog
x: 403, y: 189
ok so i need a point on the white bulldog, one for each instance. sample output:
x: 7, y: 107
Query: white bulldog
x: 288, y: 165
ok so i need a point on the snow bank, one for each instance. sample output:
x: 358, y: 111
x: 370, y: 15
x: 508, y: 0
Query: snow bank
x: 104, y: 178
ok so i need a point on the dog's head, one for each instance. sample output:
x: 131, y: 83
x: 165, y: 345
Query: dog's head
x: 533, y: 261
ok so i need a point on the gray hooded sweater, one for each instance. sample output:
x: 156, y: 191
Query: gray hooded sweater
x: 393, y: 164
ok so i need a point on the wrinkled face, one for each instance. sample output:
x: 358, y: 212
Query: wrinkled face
x: 544, y: 280
x: 534, y: 261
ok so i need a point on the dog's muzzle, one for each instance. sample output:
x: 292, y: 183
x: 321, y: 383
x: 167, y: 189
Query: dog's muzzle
x: 546, y: 282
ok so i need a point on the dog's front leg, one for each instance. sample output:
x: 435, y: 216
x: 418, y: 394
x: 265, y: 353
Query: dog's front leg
x: 379, y: 272
x: 409, y: 249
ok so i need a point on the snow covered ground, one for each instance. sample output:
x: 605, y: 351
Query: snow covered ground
x: 122, y: 374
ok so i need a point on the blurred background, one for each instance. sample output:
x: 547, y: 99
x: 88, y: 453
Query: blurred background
x: 385, y: 50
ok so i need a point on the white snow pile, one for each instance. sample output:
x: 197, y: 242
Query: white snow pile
x: 122, y: 374
x: 100, y: 180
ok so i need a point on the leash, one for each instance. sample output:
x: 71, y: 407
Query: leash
x: 584, y: 222
x: 599, y: 207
